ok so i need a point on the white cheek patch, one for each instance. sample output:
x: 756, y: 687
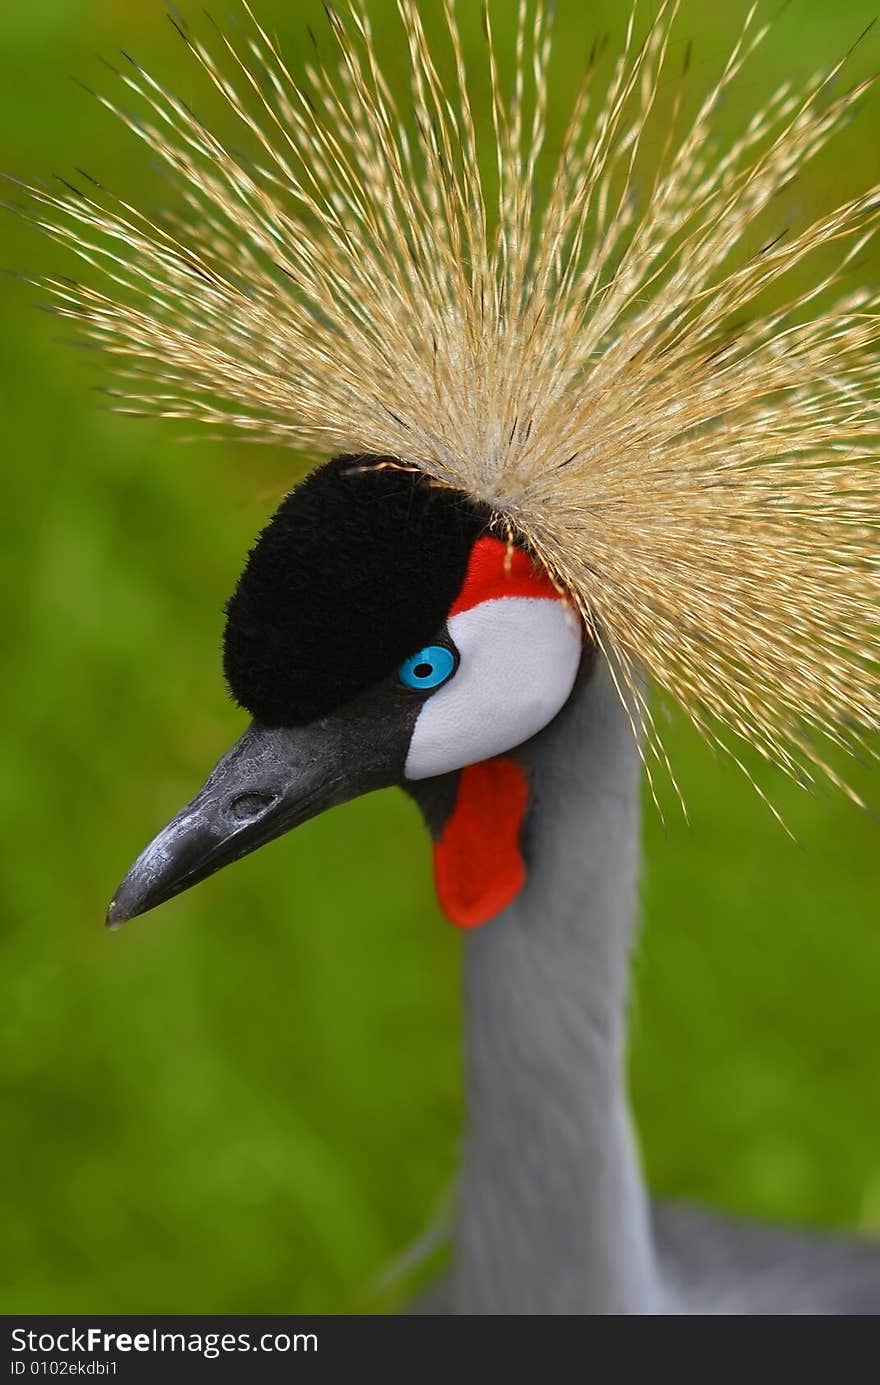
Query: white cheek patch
x: 519, y: 660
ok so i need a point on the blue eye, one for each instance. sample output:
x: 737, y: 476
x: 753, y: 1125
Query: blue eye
x: 427, y: 669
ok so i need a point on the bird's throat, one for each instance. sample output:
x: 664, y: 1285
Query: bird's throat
x: 478, y: 863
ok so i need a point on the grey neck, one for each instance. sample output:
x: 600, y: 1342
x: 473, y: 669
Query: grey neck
x: 552, y: 1212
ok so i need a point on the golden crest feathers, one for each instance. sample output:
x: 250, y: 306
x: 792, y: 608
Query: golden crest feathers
x: 699, y: 472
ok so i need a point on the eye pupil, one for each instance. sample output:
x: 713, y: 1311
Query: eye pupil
x: 428, y: 668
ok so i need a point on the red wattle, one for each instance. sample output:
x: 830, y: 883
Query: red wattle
x: 478, y: 865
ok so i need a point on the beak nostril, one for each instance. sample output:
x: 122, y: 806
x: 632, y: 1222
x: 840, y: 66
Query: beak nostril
x: 250, y: 805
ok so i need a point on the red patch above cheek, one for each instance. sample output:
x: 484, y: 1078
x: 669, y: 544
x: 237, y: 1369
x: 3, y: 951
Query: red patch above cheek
x: 478, y: 866
x: 498, y: 569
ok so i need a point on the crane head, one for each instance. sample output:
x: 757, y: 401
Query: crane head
x: 379, y: 634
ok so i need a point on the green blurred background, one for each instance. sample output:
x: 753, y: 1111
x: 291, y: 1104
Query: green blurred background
x: 250, y: 1100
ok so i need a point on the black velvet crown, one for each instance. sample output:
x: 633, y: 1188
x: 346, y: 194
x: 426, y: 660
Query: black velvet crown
x: 356, y: 569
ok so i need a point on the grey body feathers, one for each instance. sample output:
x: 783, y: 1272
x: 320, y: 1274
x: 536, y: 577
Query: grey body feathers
x: 721, y: 1265
x: 711, y: 1265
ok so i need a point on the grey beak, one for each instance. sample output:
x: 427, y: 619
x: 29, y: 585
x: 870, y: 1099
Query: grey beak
x: 271, y: 780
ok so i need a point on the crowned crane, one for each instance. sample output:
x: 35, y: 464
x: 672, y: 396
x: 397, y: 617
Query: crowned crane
x: 573, y: 453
